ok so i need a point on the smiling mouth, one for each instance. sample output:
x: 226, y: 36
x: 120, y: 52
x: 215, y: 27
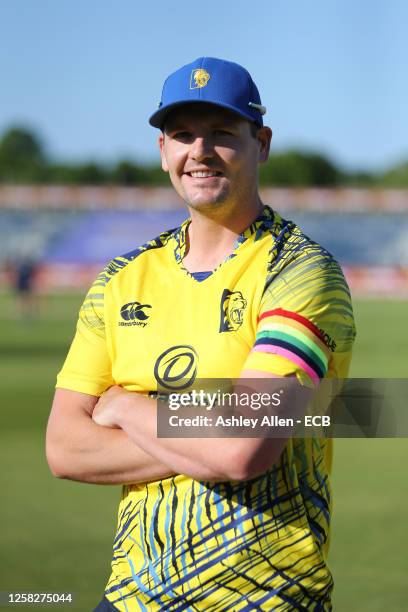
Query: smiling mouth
x: 204, y: 174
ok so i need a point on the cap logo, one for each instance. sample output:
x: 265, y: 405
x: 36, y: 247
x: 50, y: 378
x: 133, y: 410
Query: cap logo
x: 199, y: 78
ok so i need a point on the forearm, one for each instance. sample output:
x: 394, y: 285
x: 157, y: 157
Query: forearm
x: 86, y: 452
x: 201, y: 459
x: 207, y: 458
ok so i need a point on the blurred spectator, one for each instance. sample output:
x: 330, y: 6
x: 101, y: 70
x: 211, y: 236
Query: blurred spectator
x: 22, y: 274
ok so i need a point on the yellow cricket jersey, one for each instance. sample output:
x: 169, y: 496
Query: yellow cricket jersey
x: 279, y: 303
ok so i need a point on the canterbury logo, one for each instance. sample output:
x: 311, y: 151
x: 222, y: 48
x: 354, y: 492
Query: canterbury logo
x: 134, y: 313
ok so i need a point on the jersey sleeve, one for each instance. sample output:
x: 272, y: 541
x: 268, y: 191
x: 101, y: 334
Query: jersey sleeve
x: 88, y: 367
x: 305, y: 323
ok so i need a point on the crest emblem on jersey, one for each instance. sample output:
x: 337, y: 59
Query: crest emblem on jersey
x: 199, y: 78
x: 232, y: 309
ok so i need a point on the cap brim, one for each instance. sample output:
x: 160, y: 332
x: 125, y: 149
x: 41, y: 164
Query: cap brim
x: 158, y: 118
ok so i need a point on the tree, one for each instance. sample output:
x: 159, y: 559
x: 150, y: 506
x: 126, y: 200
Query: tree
x: 396, y: 177
x: 299, y: 169
x: 22, y: 158
x: 128, y: 173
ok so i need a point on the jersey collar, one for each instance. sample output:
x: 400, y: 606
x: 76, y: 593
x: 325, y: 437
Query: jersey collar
x: 256, y: 230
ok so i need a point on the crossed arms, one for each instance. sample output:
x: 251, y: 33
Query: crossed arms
x: 79, y: 449
x: 113, y: 440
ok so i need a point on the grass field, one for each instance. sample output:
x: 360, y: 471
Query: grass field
x: 57, y: 535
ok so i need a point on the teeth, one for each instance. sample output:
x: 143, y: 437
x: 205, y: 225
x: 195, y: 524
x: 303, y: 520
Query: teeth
x: 203, y: 174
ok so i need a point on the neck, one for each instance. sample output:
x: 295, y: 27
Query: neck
x: 211, y: 237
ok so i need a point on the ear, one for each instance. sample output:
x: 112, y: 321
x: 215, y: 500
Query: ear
x: 264, y: 137
x: 163, y: 154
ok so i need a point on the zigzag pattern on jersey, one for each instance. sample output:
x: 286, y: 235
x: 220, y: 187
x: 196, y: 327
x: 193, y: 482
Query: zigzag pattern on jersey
x: 257, y: 229
x: 222, y: 542
x: 264, y: 223
x: 314, y: 484
x: 297, y: 264
x: 289, y: 243
x: 180, y: 236
x: 92, y: 309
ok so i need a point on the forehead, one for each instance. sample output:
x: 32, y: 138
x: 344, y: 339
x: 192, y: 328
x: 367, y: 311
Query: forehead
x: 202, y: 114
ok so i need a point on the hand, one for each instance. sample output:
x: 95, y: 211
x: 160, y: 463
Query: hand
x: 109, y: 407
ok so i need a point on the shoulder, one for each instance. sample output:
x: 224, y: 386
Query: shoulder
x: 296, y: 257
x: 118, y: 264
x: 304, y: 277
x: 92, y: 311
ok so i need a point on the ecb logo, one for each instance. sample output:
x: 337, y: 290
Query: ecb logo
x: 232, y: 308
x: 176, y: 368
x: 134, y: 311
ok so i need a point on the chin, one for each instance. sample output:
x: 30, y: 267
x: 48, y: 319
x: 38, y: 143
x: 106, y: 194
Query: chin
x: 206, y: 205
x: 206, y: 202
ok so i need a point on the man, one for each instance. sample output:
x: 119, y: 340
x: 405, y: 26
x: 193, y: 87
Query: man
x: 235, y: 292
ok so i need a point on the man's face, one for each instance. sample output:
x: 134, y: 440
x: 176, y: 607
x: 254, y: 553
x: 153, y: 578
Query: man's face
x: 211, y: 155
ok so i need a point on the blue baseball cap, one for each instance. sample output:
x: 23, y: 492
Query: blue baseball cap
x: 213, y: 81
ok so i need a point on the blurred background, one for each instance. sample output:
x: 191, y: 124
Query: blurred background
x: 80, y: 183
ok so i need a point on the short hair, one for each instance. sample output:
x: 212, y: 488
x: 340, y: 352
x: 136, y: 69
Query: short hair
x: 254, y: 129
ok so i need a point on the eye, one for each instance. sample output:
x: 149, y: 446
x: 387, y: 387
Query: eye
x: 222, y: 132
x: 181, y: 135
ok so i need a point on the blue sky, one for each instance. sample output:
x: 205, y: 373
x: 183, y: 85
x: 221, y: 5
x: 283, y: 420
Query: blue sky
x: 86, y: 74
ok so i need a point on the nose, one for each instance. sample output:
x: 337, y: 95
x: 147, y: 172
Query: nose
x: 201, y: 148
